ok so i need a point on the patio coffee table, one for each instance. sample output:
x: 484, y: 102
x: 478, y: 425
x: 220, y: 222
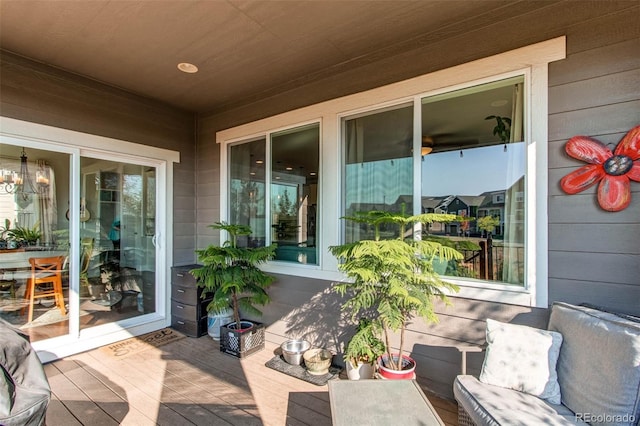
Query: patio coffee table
x: 380, y: 402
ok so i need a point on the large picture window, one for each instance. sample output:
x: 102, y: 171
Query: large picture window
x: 247, y: 190
x: 378, y: 173
x: 474, y: 166
x: 291, y: 178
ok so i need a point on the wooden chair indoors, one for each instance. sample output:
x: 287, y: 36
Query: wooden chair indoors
x: 45, y: 281
x: 86, y: 252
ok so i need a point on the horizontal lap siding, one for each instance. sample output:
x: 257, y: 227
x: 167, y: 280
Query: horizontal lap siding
x: 594, y: 255
x: 40, y: 94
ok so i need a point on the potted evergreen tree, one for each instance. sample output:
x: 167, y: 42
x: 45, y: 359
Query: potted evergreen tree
x: 230, y: 274
x: 393, y: 280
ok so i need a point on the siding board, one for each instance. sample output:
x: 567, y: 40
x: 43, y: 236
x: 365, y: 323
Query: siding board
x: 595, y: 92
x: 87, y: 106
x: 615, y: 297
x: 597, y: 62
x: 605, y: 29
x: 613, y: 238
x: 583, y: 208
x: 603, y: 267
x: 616, y: 118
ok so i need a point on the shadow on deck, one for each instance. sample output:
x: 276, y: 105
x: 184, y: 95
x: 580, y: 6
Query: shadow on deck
x: 187, y: 381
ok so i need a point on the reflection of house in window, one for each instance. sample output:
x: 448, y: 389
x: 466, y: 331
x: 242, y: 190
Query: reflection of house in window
x: 493, y: 205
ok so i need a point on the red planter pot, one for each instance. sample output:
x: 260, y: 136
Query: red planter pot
x: 407, y: 372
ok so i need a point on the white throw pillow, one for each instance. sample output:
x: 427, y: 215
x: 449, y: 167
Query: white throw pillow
x: 522, y: 358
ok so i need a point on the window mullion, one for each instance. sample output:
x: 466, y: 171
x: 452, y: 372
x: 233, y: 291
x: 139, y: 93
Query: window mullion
x: 267, y: 187
x: 417, y: 169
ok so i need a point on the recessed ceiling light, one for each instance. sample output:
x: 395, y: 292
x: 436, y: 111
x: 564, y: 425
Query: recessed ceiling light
x: 312, y: 173
x: 499, y: 103
x: 187, y: 67
x: 259, y: 161
x: 289, y: 168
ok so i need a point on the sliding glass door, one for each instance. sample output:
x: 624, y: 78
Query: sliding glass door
x: 117, y: 231
x: 101, y: 256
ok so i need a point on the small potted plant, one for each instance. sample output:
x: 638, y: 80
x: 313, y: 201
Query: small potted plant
x: 362, y: 351
x: 393, y: 280
x: 25, y: 236
x: 502, y: 128
x: 230, y: 274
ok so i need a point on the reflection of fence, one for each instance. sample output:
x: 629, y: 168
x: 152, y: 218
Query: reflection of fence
x: 488, y: 263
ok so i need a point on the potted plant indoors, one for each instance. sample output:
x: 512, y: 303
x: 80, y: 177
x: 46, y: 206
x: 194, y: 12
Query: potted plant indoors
x: 392, y: 280
x: 502, y: 128
x: 363, y: 350
x: 230, y: 274
x: 25, y: 236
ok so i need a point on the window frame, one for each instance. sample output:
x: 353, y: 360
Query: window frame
x: 532, y: 60
x: 225, y: 182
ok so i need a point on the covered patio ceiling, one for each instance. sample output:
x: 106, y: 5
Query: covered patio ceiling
x: 245, y: 50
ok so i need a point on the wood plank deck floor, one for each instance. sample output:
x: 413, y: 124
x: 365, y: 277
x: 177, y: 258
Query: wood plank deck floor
x: 186, y: 382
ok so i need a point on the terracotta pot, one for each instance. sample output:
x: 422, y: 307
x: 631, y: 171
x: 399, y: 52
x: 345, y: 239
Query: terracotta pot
x: 407, y: 372
x: 360, y: 371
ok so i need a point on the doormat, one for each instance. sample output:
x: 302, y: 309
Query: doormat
x: 298, y: 371
x: 141, y: 343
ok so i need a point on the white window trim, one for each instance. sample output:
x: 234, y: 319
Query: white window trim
x: 77, y: 144
x: 224, y: 183
x: 532, y: 59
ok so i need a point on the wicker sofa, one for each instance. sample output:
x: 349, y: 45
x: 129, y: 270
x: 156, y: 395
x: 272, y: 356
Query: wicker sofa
x: 598, y: 373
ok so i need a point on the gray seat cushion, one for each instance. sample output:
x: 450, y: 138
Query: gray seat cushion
x: 599, y: 364
x: 489, y: 405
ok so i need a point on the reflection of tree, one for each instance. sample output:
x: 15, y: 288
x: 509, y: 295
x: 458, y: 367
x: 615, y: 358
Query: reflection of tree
x: 488, y: 223
x: 457, y: 267
x: 132, y: 195
x: 285, y: 206
x: 247, y: 201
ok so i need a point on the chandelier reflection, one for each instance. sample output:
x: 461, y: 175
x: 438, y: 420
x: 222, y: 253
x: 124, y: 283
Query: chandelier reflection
x: 22, y: 184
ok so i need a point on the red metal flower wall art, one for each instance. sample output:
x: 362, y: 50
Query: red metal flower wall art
x: 614, y: 170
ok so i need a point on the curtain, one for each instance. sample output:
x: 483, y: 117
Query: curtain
x: 513, y: 260
x: 47, y: 206
x: 517, y: 110
x: 380, y: 184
